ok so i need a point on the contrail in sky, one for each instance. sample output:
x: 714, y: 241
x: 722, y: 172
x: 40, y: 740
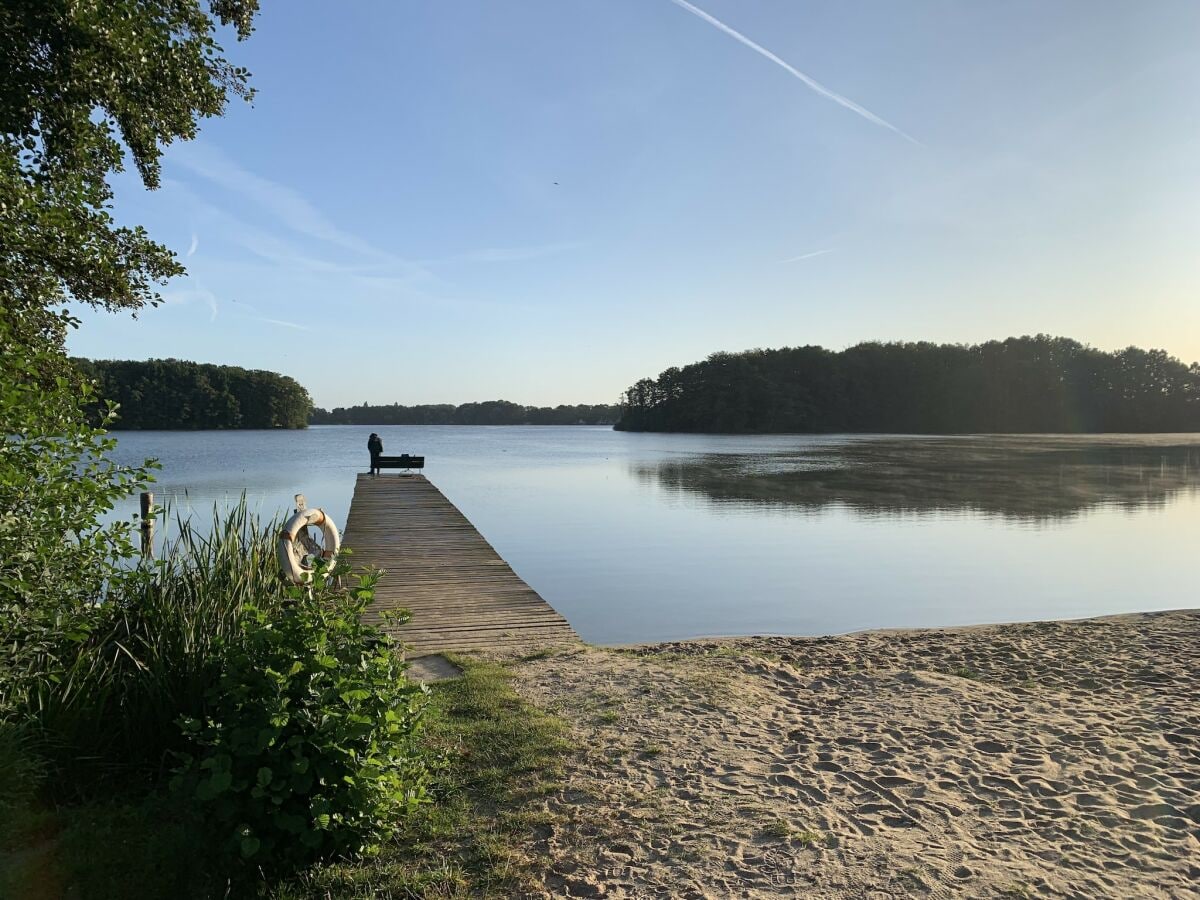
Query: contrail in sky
x: 812, y: 83
x: 806, y: 256
x: 284, y: 323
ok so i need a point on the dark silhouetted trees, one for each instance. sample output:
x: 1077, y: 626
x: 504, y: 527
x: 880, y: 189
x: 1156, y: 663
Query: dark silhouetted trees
x: 491, y: 412
x: 174, y: 394
x: 1036, y: 384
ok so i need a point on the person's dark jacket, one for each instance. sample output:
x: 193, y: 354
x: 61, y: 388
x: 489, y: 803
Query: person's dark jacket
x: 375, y: 445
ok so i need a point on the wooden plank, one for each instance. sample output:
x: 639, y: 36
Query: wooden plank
x: 462, y: 595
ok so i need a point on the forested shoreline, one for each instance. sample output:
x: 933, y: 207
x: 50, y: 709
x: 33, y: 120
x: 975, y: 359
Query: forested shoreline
x: 1038, y: 384
x: 176, y: 394
x: 173, y: 394
x: 491, y: 412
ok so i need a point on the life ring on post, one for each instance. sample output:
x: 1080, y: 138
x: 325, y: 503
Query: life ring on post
x: 294, y: 542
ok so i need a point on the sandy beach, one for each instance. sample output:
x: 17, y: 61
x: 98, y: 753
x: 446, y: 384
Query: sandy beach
x: 1057, y: 759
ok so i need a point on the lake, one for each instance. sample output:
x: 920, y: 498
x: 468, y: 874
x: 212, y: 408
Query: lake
x: 646, y: 537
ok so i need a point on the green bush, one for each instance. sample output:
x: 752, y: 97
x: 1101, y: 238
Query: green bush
x: 288, y: 719
x: 309, y: 744
x: 58, y: 552
x: 110, y: 682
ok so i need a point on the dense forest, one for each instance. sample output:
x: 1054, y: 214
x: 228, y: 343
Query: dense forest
x: 1036, y: 384
x: 175, y: 394
x: 492, y: 412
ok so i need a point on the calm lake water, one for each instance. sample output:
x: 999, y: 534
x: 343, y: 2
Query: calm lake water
x: 642, y: 537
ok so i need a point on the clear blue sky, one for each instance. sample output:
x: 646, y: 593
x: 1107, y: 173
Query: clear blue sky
x: 544, y: 200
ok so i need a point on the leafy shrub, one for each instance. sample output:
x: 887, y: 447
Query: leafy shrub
x: 308, y: 747
x: 110, y: 680
x: 57, y: 551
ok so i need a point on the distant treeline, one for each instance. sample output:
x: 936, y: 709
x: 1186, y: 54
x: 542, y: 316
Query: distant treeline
x: 492, y: 412
x: 175, y: 394
x: 1036, y: 384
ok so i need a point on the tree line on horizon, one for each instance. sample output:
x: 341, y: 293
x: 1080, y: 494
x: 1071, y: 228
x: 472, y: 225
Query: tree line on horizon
x: 1039, y: 384
x: 177, y: 394
x: 491, y: 412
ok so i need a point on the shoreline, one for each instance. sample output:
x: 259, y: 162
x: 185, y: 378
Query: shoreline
x: 1036, y: 759
x: 886, y: 630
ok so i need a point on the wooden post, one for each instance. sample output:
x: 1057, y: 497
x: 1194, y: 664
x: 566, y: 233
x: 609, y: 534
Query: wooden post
x: 147, y: 502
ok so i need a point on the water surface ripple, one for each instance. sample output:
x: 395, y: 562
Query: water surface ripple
x: 640, y: 537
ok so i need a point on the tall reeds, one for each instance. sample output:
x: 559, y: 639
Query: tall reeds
x: 154, y: 647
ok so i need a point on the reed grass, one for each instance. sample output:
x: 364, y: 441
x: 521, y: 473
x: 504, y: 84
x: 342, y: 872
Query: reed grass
x: 153, y: 649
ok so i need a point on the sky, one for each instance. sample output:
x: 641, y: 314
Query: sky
x: 546, y: 200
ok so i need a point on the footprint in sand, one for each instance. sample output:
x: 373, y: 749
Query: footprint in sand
x: 992, y: 747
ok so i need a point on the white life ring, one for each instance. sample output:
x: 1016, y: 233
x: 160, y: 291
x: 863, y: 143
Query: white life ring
x: 293, y: 541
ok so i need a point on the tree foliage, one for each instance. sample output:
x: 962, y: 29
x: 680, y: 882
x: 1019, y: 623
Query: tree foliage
x: 83, y: 84
x: 175, y: 394
x: 491, y: 412
x: 1029, y: 384
x: 58, y: 552
x: 113, y: 666
x: 308, y: 743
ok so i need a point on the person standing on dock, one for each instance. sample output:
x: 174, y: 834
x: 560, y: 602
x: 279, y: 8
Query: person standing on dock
x: 375, y: 448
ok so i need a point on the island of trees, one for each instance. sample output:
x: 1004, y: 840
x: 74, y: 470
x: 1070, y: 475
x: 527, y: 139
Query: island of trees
x: 1036, y: 384
x: 492, y: 412
x: 175, y: 394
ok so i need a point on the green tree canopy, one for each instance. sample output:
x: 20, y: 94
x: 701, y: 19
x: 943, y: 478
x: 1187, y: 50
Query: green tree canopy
x: 1027, y: 384
x: 83, y: 85
x: 175, y: 394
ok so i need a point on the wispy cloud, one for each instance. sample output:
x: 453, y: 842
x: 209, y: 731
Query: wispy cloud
x: 507, y: 254
x: 806, y: 256
x: 284, y: 203
x: 292, y: 253
x: 808, y: 80
x: 283, y: 323
x: 188, y: 296
x: 191, y: 250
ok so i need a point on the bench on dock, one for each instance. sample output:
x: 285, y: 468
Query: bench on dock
x: 403, y: 461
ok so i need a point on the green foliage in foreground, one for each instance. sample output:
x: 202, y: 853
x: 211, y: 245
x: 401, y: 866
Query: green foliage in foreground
x: 175, y: 394
x: 1036, y: 384
x: 288, y: 720
x: 502, y: 757
x: 56, y: 485
x: 307, y: 747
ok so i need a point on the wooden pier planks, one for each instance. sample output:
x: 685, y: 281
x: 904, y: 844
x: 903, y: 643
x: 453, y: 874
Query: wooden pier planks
x: 462, y: 595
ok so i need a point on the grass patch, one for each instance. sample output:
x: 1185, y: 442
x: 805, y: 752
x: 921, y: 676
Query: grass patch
x: 782, y: 830
x: 546, y: 653
x: 779, y: 830
x: 502, y: 755
x: 964, y: 672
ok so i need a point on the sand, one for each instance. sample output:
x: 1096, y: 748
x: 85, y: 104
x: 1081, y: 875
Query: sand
x: 1041, y: 760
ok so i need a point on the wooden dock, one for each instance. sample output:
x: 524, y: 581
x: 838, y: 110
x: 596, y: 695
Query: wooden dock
x: 462, y: 595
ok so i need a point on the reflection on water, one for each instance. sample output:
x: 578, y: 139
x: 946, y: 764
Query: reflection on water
x: 639, y: 537
x: 1016, y: 477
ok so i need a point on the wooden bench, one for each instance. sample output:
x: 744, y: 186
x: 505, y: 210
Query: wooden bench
x: 403, y: 461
